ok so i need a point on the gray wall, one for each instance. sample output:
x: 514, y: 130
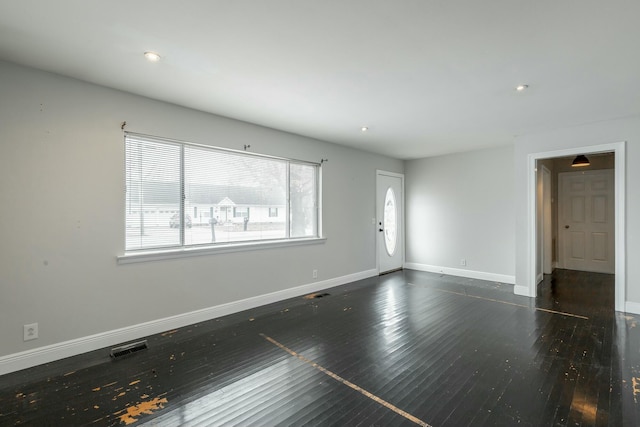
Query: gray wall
x: 462, y: 206
x: 62, y: 212
x: 575, y: 137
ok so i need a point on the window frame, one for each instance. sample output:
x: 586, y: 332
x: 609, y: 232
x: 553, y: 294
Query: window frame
x: 241, y: 211
x: 182, y: 249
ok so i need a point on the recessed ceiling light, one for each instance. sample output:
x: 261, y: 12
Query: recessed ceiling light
x: 520, y: 88
x: 364, y: 128
x: 152, y: 56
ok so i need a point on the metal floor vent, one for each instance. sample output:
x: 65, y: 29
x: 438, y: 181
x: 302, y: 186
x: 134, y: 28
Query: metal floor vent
x: 123, y: 350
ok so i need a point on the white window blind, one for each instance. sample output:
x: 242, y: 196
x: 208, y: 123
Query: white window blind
x: 180, y: 194
x: 152, y: 195
x: 303, y: 193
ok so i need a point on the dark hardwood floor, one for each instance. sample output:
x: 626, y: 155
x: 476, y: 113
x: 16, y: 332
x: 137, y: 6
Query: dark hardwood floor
x: 408, y: 348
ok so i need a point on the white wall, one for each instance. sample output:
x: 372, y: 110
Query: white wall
x: 605, y: 132
x: 61, y: 174
x: 462, y: 206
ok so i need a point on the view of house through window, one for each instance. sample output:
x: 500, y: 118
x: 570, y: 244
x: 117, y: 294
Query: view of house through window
x: 180, y: 194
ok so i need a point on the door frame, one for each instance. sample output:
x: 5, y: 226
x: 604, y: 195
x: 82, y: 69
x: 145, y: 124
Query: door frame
x: 618, y: 148
x: 546, y: 264
x: 401, y: 232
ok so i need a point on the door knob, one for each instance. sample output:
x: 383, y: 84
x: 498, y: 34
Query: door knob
x: 380, y: 229
x: 566, y: 226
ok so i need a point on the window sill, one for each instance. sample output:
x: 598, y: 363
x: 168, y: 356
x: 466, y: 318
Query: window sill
x: 186, y: 252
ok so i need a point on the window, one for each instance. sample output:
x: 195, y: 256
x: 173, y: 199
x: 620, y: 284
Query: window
x: 241, y: 212
x: 233, y: 196
x: 390, y: 216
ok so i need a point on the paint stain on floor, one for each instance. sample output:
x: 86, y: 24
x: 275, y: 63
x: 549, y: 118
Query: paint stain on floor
x: 636, y: 388
x: 631, y: 321
x: 143, y: 408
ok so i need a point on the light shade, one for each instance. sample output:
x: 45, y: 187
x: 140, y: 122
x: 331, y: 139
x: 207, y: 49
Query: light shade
x: 580, y: 160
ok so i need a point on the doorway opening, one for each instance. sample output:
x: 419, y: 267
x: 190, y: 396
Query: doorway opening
x: 542, y: 247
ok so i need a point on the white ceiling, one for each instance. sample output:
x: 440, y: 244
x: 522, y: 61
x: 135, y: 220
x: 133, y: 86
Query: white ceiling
x: 427, y: 77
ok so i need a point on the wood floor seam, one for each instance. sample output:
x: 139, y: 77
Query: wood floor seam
x: 546, y: 310
x: 348, y: 383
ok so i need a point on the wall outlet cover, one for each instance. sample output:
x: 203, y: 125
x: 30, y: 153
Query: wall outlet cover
x: 30, y: 331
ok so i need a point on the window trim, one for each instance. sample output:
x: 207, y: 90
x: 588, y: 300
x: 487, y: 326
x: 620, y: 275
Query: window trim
x: 222, y: 248
x: 182, y: 251
x: 153, y: 138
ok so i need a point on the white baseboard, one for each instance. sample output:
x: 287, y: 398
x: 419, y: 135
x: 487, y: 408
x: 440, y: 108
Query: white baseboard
x: 27, y: 359
x: 523, y: 291
x: 480, y: 275
x: 632, y: 307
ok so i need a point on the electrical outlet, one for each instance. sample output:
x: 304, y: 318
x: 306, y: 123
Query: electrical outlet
x: 314, y: 273
x: 463, y: 262
x: 30, y: 331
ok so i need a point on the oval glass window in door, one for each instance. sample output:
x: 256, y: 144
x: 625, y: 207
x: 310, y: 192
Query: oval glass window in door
x: 390, y: 220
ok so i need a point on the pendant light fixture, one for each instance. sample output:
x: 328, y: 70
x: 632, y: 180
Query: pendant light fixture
x: 580, y: 160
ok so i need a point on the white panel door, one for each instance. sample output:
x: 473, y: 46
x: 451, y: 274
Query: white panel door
x: 586, y: 221
x: 390, y: 224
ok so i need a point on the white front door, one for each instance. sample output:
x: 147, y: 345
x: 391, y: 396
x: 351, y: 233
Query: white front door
x: 586, y: 221
x: 389, y: 221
